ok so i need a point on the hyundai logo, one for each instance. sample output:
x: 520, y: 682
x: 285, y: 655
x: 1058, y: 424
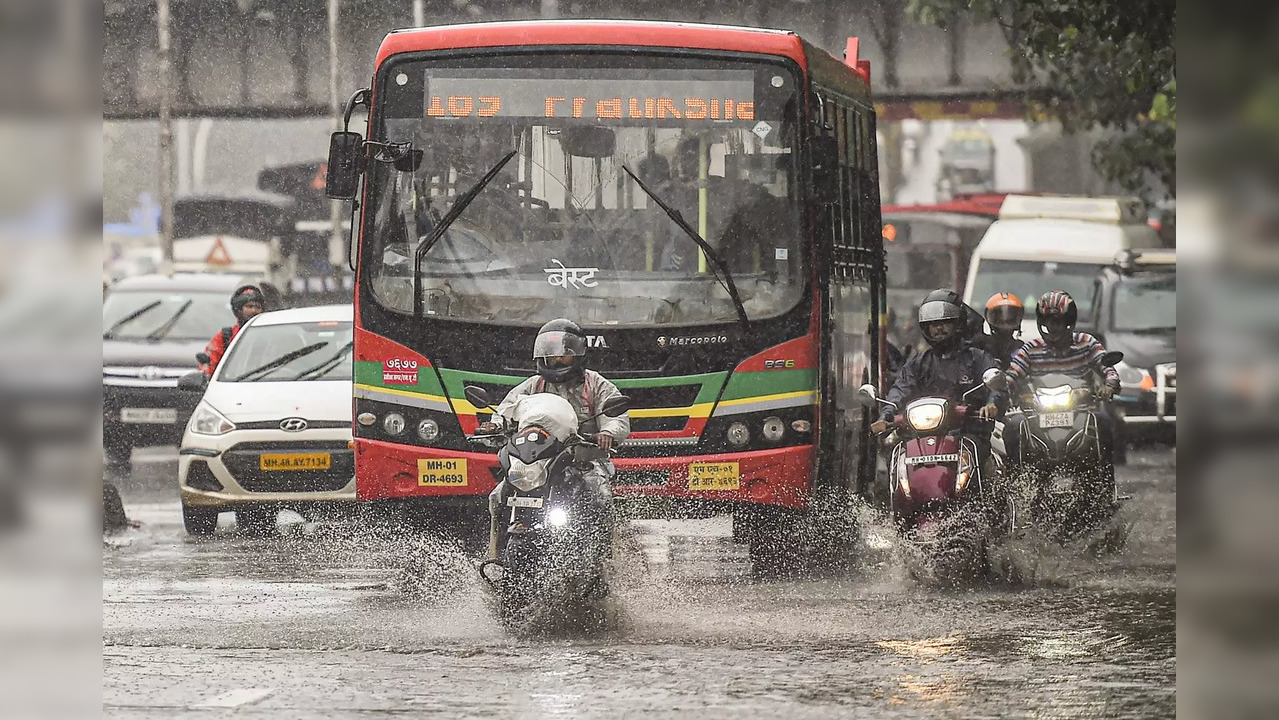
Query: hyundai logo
x: 293, y: 424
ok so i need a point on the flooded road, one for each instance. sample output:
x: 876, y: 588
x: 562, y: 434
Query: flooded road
x: 343, y: 621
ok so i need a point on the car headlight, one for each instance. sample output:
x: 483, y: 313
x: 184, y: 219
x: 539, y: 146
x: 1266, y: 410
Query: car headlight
x: 1134, y: 377
x: 207, y: 421
x: 925, y: 416
x: 1056, y: 398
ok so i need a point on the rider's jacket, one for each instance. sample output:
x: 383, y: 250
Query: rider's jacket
x: 1078, y: 360
x: 586, y: 396
x: 948, y: 375
x: 1000, y: 347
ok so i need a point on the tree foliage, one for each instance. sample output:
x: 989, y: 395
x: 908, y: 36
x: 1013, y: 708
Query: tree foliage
x: 1095, y: 63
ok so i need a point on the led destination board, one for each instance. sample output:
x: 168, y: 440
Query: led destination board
x: 593, y: 99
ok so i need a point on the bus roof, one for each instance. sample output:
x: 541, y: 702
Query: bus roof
x: 596, y: 32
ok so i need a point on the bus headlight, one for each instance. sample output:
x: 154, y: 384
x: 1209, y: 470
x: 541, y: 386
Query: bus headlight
x: 774, y: 428
x: 739, y: 434
x: 428, y: 430
x: 925, y: 416
x: 393, y: 423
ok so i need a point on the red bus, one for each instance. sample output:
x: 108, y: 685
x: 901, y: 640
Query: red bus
x: 702, y: 199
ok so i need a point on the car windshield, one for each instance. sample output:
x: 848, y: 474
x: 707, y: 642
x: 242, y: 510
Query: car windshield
x: 1028, y: 279
x: 259, y: 345
x: 165, y: 315
x: 563, y: 230
x: 1145, y: 304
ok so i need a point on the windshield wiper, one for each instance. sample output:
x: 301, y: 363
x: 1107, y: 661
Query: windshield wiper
x: 724, y: 276
x: 324, y: 367
x: 442, y: 227
x: 111, y: 331
x: 167, y: 325
x: 284, y: 359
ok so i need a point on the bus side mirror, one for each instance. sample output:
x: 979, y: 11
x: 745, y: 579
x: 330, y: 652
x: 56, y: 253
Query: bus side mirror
x: 823, y: 159
x: 866, y: 395
x: 342, y: 177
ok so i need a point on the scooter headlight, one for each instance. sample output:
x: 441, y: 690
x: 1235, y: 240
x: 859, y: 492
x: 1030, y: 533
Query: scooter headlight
x: 1057, y: 398
x: 925, y: 416
x: 557, y: 517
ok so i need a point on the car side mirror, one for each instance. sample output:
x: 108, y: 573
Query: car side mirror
x: 477, y: 396
x: 194, y: 381
x: 616, y: 406
x: 994, y: 379
x: 203, y: 358
x: 342, y: 177
x: 1111, y: 358
x: 867, y: 396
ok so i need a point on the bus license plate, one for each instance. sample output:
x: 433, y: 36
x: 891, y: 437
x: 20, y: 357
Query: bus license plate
x: 1057, y: 420
x: 295, y: 461
x: 524, y: 501
x: 714, y: 476
x: 441, y: 472
x: 166, y: 416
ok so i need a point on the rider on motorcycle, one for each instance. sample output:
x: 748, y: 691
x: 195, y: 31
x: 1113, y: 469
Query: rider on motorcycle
x: 1004, y: 312
x: 559, y: 353
x: 948, y: 368
x: 1064, y: 351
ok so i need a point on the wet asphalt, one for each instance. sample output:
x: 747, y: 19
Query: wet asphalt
x: 353, y: 620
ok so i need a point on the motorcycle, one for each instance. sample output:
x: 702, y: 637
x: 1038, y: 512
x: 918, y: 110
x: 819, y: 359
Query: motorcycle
x: 1066, y: 464
x: 944, y: 507
x: 553, y: 540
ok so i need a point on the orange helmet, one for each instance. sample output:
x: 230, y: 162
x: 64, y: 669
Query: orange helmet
x: 1004, y: 311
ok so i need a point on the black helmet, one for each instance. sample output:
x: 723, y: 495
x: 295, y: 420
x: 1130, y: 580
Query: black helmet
x: 941, y: 323
x: 559, y: 338
x: 244, y: 295
x: 1056, y: 315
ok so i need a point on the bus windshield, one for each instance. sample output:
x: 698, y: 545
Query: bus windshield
x: 562, y: 230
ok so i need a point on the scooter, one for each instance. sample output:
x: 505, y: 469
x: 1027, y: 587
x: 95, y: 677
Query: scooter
x: 1066, y: 463
x: 944, y: 507
x: 553, y: 539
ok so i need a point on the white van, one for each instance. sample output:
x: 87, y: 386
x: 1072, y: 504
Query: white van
x: 1042, y: 243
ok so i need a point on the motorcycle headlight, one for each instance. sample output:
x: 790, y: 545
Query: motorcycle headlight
x: 527, y: 476
x: 557, y: 517
x: 207, y: 421
x: 925, y: 416
x: 1057, y: 398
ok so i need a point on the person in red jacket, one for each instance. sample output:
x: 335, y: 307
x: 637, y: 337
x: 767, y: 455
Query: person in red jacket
x: 246, y: 301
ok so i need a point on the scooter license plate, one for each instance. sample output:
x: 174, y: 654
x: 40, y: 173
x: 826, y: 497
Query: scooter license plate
x: 521, y: 501
x: 1057, y: 420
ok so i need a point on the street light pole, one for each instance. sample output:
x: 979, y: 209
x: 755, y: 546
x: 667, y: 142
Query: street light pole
x: 419, y: 13
x: 166, y: 134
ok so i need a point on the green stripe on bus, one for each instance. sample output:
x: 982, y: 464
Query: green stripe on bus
x: 769, y: 382
x: 369, y: 372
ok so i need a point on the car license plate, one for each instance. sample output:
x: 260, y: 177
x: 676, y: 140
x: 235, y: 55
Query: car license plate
x: 166, y: 416
x: 441, y: 472
x: 714, y: 476
x: 295, y: 461
x: 1057, y: 420
x: 524, y: 501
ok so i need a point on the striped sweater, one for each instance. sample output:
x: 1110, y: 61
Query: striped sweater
x: 1081, y: 358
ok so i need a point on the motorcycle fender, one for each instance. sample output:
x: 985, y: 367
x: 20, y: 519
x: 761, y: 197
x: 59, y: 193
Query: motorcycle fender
x: 929, y: 483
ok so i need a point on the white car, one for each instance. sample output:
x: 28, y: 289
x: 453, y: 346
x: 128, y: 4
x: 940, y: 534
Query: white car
x: 273, y: 430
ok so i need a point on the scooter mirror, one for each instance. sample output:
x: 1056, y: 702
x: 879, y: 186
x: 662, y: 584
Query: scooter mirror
x: 993, y: 378
x: 1111, y: 358
x: 616, y: 406
x: 866, y: 395
x: 477, y: 396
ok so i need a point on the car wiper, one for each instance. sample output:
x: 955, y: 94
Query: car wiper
x: 110, y: 333
x: 284, y: 359
x: 724, y: 276
x: 323, y: 368
x: 442, y: 227
x: 167, y: 325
